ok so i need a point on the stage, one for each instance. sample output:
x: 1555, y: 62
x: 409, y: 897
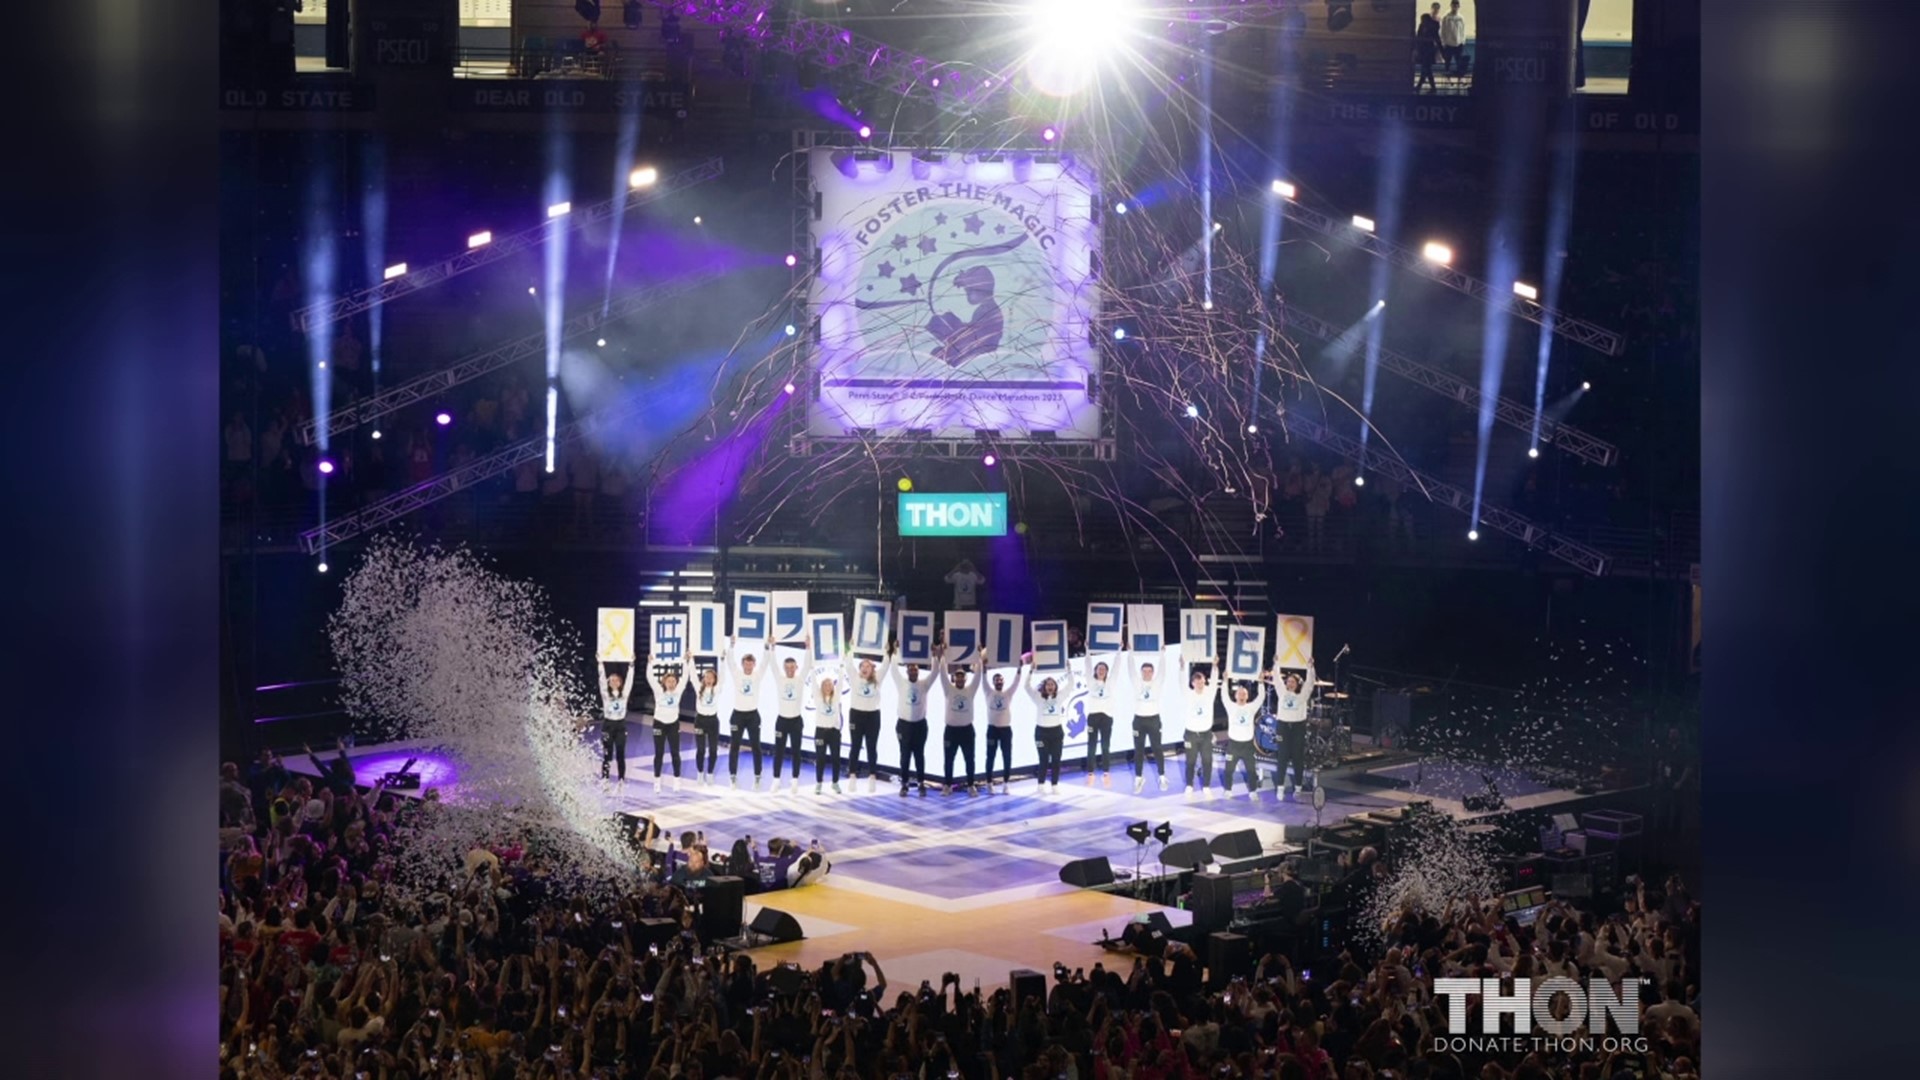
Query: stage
x: 971, y: 884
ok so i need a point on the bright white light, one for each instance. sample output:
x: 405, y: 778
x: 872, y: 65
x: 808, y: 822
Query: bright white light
x: 602, y: 342
x: 376, y: 433
x: 1120, y: 208
x: 1586, y: 386
x: 696, y: 219
x: 989, y: 461
x: 792, y: 329
x: 644, y: 176
x: 323, y: 568
x: 1434, y: 251
x: 1193, y: 410
x: 793, y: 260
x: 1206, y: 305
x: 1119, y: 333
x: 323, y: 365
x: 553, y: 413
x: 1217, y: 226
x: 1473, y: 534
x: 559, y: 209
x: 395, y: 271
x: 789, y: 388
x: 326, y: 466
x: 1253, y: 429
x: 1533, y: 451
x: 479, y: 239
x: 1525, y: 291
x: 531, y: 291
x: 1359, y: 481
x: 1284, y: 189
x: 1363, y: 223
x: 1070, y: 39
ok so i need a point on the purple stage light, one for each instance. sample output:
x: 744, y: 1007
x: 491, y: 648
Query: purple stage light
x: 1049, y: 134
x: 989, y: 461
x: 936, y: 82
x: 326, y: 466
x: 443, y: 419
x: 793, y: 260
x: 866, y: 132
x: 788, y: 389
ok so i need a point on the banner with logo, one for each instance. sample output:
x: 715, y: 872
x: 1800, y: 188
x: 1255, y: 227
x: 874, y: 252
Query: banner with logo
x: 706, y: 628
x: 916, y: 637
x: 954, y: 294
x: 871, y: 620
x: 1004, y: 640
x: 752, y: 616
x: 1294, y: 647
x: 1199, y: 634
x: 668, y: 642
x: 1146, y: 628
x: 1049, y: 645
x: 962, y: 637
x: 615, y: 635
x: 789, y: 617
x: 1106, y: 628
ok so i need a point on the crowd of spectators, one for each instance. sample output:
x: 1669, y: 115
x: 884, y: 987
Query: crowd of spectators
x: 330, y: 970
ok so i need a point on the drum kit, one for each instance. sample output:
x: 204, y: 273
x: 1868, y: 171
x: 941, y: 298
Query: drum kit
x: 1329, y: 728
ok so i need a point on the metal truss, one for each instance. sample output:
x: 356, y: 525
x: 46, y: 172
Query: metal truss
x: 1506, y: 410
x: 910, y: 447
x: 416, y: 279
x: 396, y: 506
x: 1578, y: 331
x: 472, y: 367
x: 1566, y: 549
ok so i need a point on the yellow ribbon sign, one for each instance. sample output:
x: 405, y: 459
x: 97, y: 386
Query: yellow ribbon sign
x: 616, y: 634
x: 1296, y: 641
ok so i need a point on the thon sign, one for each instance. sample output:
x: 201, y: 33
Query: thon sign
x: 953, y: 515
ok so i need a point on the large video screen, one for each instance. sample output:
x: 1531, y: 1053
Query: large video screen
x: 953, y: 295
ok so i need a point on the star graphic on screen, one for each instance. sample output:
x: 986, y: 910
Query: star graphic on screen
x: 899, y: 242
x: 927, y: 245
x: 910, y: 284
x: 999, y: 230
x: 886, y: 269
x: 940, y: 218
x: 972, y: 223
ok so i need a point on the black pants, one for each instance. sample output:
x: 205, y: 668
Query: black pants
x: 959, y: 740
x: 863, y: 730
x: 1146, y: 740
x: 786, y: 739
x: 1099, y: 741
x: 913, y: 750
x: 1199, y: 759
x: 1240, y: 752
x: 1293, y: 751
x: 746, y: 725
x: 706, y: 742
x: 1000, y: 738
x: 1451, y: 55
x: 1049, y: 741
x: 826, y: 751
x: 666, y: 739
x: 613, y: 746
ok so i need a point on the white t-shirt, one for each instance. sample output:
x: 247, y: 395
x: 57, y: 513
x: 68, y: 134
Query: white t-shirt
x: 1099, y: 691
x: 746, y: 688
x: 1199, y: 712
x: 790, y: 694
x: 1000, y: 702
x: 1146, y: 695
x: 706, y: 700
x: 1291, y: 706
x: 1453, y: 30
x: 864, y: 695
x: 1241, y: 718
x: 1049, y: 712
x: 826, y: 712
x: 615, y: 708
x: 964, y: 583
x: 960, y: 703
x: 913, y: 693
x: 666, y: 703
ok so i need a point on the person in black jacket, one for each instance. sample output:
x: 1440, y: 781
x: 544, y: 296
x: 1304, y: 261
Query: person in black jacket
x: 1426, y: 49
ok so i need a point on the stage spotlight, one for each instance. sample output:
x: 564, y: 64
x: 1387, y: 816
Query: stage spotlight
x: 1586, y: 386
x: 559, y: 209
x: 1193, y: 411
x: 1253, y: 429
x: 792, y: 259
x: 1533, y: 451
x: 531, y: 291
x: 788, y: 388
x: 1218, y: 225
x: 1069, y: 39
x: 1119, y: 333
x: 904, y: 484
x: 326, y: 467
x: 1525, y: 291
x: 989, y: 461
x: 1049, y: 134
x: 1020, y: 528
x: 1363, y: 223
x: 934, y: 82
x: 394, y: 271
x: 323, y: 568
x: 1163, y: 832
x: 1206, y: 305
x: 479, y: 239
x: 866, y: 132
x: 1139, y: 831
x: 601, y: 342
x: 643, y: 176
x: 323, y: 365
x: 1359, y: 481
x: 791, y: 330
x: 1284, y: 189
x: 376, y: 433
x: 696, y: 219
x: 1473, y: 534
x: 443, y: 419
x: 1436, y: 252
x: 1120, y: 208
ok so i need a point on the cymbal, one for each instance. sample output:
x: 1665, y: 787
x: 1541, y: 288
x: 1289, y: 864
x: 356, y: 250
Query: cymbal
x: 1321, y: 682
x: 1335, y: 696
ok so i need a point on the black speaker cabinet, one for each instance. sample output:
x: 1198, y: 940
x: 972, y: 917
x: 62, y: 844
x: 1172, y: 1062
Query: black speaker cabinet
x: 1088, y: 873
x: 722, y: 900
x: 654, y: 932
x: 1212, y: 902
x: 778, y: 925
x: 1187, y: 854
x: 1027, y: 984
x: 1228, y: 955
x: 1243, y: 844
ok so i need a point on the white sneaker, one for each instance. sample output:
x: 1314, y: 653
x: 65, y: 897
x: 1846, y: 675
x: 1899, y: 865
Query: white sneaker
x: 873, y: 785
x: 836, y: 787
x: 734, y: 782
x: 676, y: 783
x: 1139, y: 784
x: 1189, y: 792
x: 1163, y: 781
x: 1054, y: 787
x: 656, y: 785
x: 819, y: 789
x: 756, y: 783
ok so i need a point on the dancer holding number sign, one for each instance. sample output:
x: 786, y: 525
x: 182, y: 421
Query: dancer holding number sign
x: 961, y: 698
x: 1099, y: 720
x: 911, y: 727
x: 666, y: 719
x: 1146, y: 728
x: 863, y: 721
x: 1202, y: 691
x: 1242, y: 713
x: 746, y: 712
x: 614, y: 694
x: 1050, y: 713
x: 1295, y: 694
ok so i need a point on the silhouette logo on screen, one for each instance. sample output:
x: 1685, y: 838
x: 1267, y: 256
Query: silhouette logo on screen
x: 961, y: 341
